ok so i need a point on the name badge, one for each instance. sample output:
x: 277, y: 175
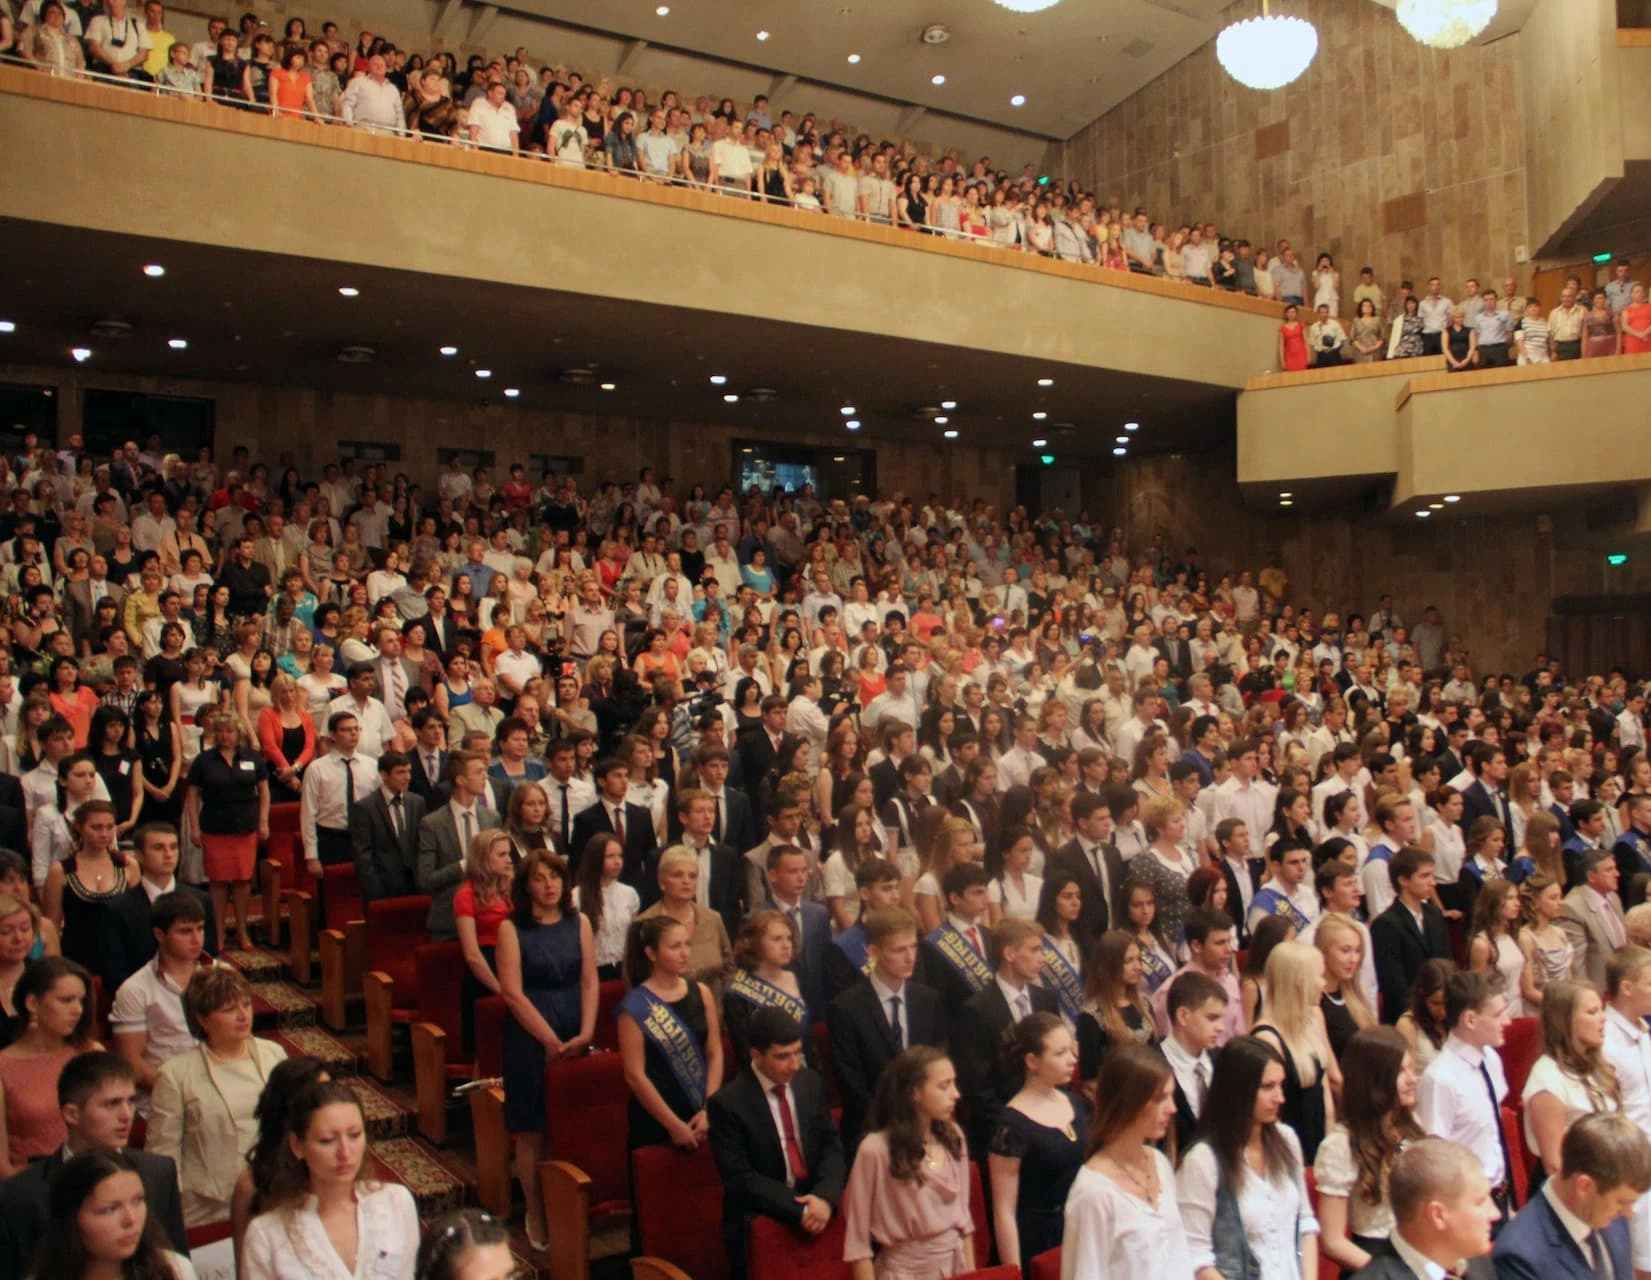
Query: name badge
x: 125, y: 767
x: 248, y: 766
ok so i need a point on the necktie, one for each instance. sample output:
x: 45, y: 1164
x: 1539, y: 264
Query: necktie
x: 398, y: 684
x: 894, y: 1021
x: 716, y: 827
x: 1613, y: 924
x: 1023, y: 1006
x: 1601, y: 1260
x: 566, y: 804
x: 397, y: 817
x: 619, y: 823
x: 1496, y: 1115
x: 973, y: 935
x: 793, y: 1149
x: 795, y: 915
x: 1201, y: 1074
x: 349, y: 786
x: 467, y: 820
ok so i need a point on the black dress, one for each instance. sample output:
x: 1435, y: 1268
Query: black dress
x: 1303, y: 1107
x: 155, y: 755
x: 92, y: 932
x: 292, y: 746
x: 1049, y: 1160
x: 1094, y: 1041
x: 1338, y: 1021
x: 642, y: 1129
x: 116, y: 772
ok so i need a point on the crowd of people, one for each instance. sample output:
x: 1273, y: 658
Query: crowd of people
x: 1240, y: 887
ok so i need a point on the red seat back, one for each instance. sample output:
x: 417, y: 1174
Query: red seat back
x: 585, y: 1106
x: 438, y: 981
x: 1046, y: 1266
x: 283, y: 819
x: 990, y: 1273
x: 678, y: 1207
x: 1520, y: 1156
x: 490, y: 1015
x: 608, y: 997
x: 1521, y: 1046
x: 822, y: 1047
x: 341, y: 896
x: 285, y: 849
x: 977, y: 1210
x: 1328, y: 1270
x: 395, y: 930
x: 774, y: 1251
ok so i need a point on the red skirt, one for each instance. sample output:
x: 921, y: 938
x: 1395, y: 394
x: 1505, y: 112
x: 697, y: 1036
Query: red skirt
x: 229, y: 858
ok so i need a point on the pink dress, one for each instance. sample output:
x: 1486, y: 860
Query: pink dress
x: 34, y: 1125
x: 918, y: 1228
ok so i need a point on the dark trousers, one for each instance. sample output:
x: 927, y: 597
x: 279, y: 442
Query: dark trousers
x: 333, y: 846
x: 1328, y: 358
x: 1493, y: 355
x: 1433, y: 344
x: 1568, y: 350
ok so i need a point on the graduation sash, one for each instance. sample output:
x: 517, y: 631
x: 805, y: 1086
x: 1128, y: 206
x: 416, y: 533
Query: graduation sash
x: 1155, y: 969
x: 1275, y: 903
x: 765, y: 995
x: 671, y: 1036
x: 955, y: 948
x: 852, y: 943
x: 1061, y: 978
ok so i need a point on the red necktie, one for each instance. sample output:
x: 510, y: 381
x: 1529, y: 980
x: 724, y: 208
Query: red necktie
x: 974, y: 939
x: 619, y: 823
x: 793, y: 1151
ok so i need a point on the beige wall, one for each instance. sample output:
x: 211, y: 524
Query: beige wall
x: 1634, y: 80
x: 1383, y: 152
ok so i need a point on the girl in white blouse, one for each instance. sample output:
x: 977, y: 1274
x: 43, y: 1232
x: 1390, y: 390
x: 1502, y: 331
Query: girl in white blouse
x: 1014, y: 892
x: 1572, y: 1078
x: 609, y: 904
x: 1245, y: 1157
x: 1123, y: 1221
x: 326, y: 1221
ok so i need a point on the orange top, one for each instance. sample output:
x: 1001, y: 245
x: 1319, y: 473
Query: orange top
x: 287, y: 90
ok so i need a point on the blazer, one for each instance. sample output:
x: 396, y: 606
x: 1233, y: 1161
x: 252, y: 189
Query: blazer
x: 441, y: 634
x: 808, y: 960
x: 640, y: 844
x: 982, y: 1080
x: 1402, y: 949
x: 386, y: 866
x: 82, y: 612
x: 14, y: 821
x: 862, y: 1042
x: 1235, y: 898
x: 742, y: 823
x: 1590, y: 941
x: 440, y: 867
x: 1477, y: 802
x: 23, y: 1206
x: 757, y: 754
x: 727, y: 897
x: 1536, y: 1246
x: 1096, y: 916
x: 1186, y: 1120
x: 885, y: 782
x: 191, y: 1121
x: 135, y: 913
x: 1385, y: 1264
x: 751, y: 1158
x: 423, y: 785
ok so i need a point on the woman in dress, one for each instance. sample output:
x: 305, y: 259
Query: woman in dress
x: 1246, y: 1155
x: 1377, y: 1120
x: 1406, y: 339
x: 1327, y: 285
x: 1423, y: 1024
x: 763, y: 979
x: 51, y: 839
x: 546, y: 961
x: 1060, y: 905
x: 1292, y: 342
x: 322, y: 1202
x: 192, y: 701
x: 82, y: 896
x: 117, y: 764
x: 228, y: 805
x: 856, y: 840
x: 160, y: 757
x: 1345, y: 1010
x: 96, y: 1224
x: 1294, y: 1028
x: 1460, y: 343
x: 606, y: 901
x: 1493, y: 939
x: 1164, y: 864
x: 709, y: 949
x: 480, y: 905
x: 1367, y: 333
x: 53, y: 997
x: 1115, y: 1010
x: 72, y: 700
x: 1141, y: 922
x: 1634, y: 322
x: 286, y: 733
x: 1547, y: 949
x: 1014, y: 891
x: 907, y: 1197
x: 1122, y: 1219
x: 1572, y: 1078
x: 1599, y: 329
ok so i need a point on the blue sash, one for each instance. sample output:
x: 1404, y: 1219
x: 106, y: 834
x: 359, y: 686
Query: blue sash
x: 1061, y: 978
x: 675, y: 1042
x: 1155, y: 970
x: 957, y: 952
x: 765, y: 995
x: 1276, y: 904
x: 852, y: 943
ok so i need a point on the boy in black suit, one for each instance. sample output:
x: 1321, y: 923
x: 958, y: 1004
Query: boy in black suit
x: 957, y: 961
x: 771, y: 1131
x: 1409, y: 933
x: 1197, y: 1006
x: 613, y: 783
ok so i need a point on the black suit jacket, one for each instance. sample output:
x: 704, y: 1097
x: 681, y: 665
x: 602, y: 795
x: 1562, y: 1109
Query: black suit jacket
x: 1178, y: 653
x: 751, y: 1157
x: 23, y: 1207
x: 441, y: 635
x: 1186, y: 1121
x: 947, y: 786
x: 1477, y: 803
x: 386, y: 866
x: 977, y: 1032
x: 1536, y: 1246
x: 425, y: 787
x: 135, y: 912
x: 14, y: 822
x: 741, y: 834
x: 1097, y: 914
x: 757, y: 755
x: 640, y: 844
x: 885, y: 782
x: 862, y: 1042
x: 1385, y: 1264
x: 1402, y: 949
x: 1235, y: 899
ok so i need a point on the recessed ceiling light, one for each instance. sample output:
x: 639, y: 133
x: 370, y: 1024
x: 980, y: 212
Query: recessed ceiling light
x: 178, y: 344
x: 81, y: 354
x: 1046, y: 382
x: 840, y: 457
x: 484, y: 373
x: 1285, y: 502
x: 609, y: 386
x: 952, y: 434
x: 1436, y: 506
x: 731, y: 398
x: 1287, y: 493
x: 512, y: 392
x: 449, y: 351
x: 937, y: 81
x: 1039, y: 416
x: 762, y: 35
x: 1132, y: 426
x: 718, y: 379
x: 349, y: 292
x: 1423, y: 515
x: 1120, y: 439
x: 664, y: 11
x: 847, y: 411
x: 853, y: 424
x: 948, y: 405
x: 1019, y: 100
x: 853, y: 59
x: 942, y: 420
x: 1119, y: 452
x: 1039, y: 443
x: 1453, y: 497
x: 154, y: 270
x: 8, y: 326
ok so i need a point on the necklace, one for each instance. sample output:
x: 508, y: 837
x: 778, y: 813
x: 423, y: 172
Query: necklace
x: 1147, y: 1186
x: 1336, y: 998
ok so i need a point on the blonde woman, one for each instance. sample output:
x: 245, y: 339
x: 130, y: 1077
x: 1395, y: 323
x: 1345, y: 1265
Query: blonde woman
x: 480, y: 905
x: 1547, y: 949
x: 710, y: 954
x: 1294, y: 1027
x: 953, y: 841
x: 1572, y: 1078
x: 1343, y: 1005
x: 1524, y: 798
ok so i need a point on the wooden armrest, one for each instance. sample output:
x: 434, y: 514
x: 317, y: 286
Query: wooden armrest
x: 656, y: 1269
x: 565, y: 1192
x: 430, y: 1080
x: 343, y: 956
x: 377, y: 993
x: 300, y: 934
x: 493, y: 1148
x: 269, y: 886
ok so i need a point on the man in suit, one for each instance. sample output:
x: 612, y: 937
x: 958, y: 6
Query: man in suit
x: 1197, y: 1006
x: 735, y: 825
x: 444, y: 838
x: 1456, y: 759
x: 441, y: 633
x: 785, y: 829
x: 1242, y: 873
x: 1093, y: 859
x: 956, y: 959
x: 721, y: 877
x: 395, y: 674
x: 984, y: 1079
x: 429, y: 756
x: 877, y: 884
x: 1488, y: 795
x: 97, y: 1096
x: 759, y: 746
x: 811, y: 922
x: 1443, y: 1216
x: 82, y: 598
x: 949, y: 785
x: 1576, y: 1227
x: 776, y: 1147
x: 899, y: 740
x: 1633, y: 851
x: 384, y: 832
x: 1591, y: 917
x: 880, y: 1015
x: 1409, y: 933
x: 155, y: 845
x: 612, y: 814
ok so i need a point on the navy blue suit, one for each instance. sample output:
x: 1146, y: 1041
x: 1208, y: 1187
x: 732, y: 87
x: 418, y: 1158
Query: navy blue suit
x: 1536, y: 1246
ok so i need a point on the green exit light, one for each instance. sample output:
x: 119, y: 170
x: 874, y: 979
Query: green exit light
x: 1048, y: 459
x: 1616, y: 559
x: 1602, y: 257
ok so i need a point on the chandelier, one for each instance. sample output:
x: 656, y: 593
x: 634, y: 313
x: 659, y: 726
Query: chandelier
x: 1445, y: 24
x: 1028, y: 6
x: 1267, y: 52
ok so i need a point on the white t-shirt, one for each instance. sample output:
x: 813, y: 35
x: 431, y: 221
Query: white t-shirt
x: 116, y: 40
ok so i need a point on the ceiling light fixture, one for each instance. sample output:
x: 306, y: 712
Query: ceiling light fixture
x: 952, y: 434
x: 1287, y: 493
x: 609, y: 386
x: 718, y: 379
x: 1039, y: 416
x: 1423, y: 515
x: 762, y: 35
x: 1285, y: 502
x: 948, y: 405
x: 1039, y: 443
x: 1445, y: 24
x: 1028, y: 6
x: 1453, y: 497
x: 937, y: 80
x: 154, y: 271
x: 449, y: 351
x: 941, y: 421
x: 731, y: 398
x: 1120, y: 439
x: 178, y: 344
x: 349, y: 292
x: 853, y: 59
x: 1046, y: 382
x: 664, y: 11
x: 484, y: 373
x: 8, y: 326
x: 512, y: 392
x: 81, y: 354
x: 853, y: 424
x: 1436, y: 506
x: 1132, y: 426
x: 1267, y: 52
x: 1119, y: 452
x: 847, y: 411
x: 1019, y: 100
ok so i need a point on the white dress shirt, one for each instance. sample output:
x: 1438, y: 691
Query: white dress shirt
x: 376, y: 730
x: 323, y: 799
x: 1452, y: 1102
x: 886, y: 996
x: 1192, y: 1074
x: 293, y: 1245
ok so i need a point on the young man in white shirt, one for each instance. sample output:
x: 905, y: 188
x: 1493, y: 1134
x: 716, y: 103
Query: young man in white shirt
x: 1287, y: 891
x: 1209, y: 934
x: 1460, y: 1094
x: 1017, y: 765
x: 1196, y: 1005
x: 147, y: 1016
x: 330, y: 789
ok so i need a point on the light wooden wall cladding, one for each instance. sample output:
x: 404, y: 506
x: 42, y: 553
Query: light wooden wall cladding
x: 1384, y: 153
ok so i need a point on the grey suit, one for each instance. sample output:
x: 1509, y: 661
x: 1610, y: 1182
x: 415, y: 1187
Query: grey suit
x: 441, y: 865
x: 386, y: 865
x: 1591, y: 940
x: 82, y: 612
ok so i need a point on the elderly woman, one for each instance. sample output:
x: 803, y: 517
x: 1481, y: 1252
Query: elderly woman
x: 711, y: 957
x: 228, y: 806
x: 203, y: 1109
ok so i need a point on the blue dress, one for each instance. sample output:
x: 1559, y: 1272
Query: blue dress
x: 551, y: 964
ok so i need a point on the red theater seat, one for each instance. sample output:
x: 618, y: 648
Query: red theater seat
x: 287, y: 889
x: 1046, y: 1266
x: 1521, y: 1046
x: 395, y: 930
x: 679, y: 1209
x: 775, y: 1251
x: 438, y: 1033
